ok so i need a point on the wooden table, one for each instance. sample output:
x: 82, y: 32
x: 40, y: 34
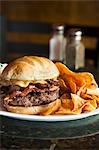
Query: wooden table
x: 29, y: 134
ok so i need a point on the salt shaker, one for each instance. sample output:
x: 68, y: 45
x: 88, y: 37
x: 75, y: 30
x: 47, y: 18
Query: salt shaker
x: 57, y: 44
x: 75, y: 50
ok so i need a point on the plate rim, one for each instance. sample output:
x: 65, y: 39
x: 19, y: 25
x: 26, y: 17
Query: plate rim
x: 49, y: 118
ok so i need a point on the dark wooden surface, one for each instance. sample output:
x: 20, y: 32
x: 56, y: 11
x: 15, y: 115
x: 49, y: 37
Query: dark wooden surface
x: 84, y: 143
x: 49, y: 130
x: 18, y: 134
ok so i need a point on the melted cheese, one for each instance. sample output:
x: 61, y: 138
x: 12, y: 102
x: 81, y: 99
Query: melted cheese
x: 20, y: 83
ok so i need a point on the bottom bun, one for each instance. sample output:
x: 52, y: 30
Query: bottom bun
x: 42, y: 109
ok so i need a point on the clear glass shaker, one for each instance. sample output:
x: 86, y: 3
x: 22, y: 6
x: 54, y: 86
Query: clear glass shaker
x: 75, y: 50
x: 57, y: 44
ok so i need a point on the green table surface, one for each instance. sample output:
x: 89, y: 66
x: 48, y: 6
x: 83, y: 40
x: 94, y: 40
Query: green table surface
x: 49, y: 130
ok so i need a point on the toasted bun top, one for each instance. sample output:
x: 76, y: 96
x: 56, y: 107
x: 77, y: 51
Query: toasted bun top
x: 30, y: 68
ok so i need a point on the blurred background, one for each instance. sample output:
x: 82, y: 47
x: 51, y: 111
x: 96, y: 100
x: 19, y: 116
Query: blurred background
x: 26, y: 27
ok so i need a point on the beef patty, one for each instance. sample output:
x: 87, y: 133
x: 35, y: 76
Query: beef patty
x: 33, y: 95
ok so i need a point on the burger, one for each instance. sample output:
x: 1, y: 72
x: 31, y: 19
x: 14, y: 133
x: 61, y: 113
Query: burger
x: 30, y: 86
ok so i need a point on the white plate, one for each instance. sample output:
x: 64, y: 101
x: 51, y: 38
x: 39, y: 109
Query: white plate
x: 50, y: 117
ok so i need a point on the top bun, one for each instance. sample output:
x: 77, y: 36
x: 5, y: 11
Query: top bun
x: 30, y: 68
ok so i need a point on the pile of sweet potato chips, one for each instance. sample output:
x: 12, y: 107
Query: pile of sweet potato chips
x: 79, y: 92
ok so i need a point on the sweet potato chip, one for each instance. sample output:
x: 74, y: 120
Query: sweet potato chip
x: 63, y: 69
x: 63, y: 111
x: 63, y: 87
x: 83, y: 93
x: 89, y: 79
x: 97, y: 99
x: 67, y: 106
x: 65, y: 96
x: 67, y: 111
x: 71, y: 79
x: 88, y: 107
x: 78, y: 102
x: 93, y: 103
x: 81, y: 90
x: 93, y: 91
x: 86, y: 96
x: 72, y: 85
x: 66, y: 101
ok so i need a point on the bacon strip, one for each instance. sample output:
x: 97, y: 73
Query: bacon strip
x: 31, y: 88
x: 23, y: 93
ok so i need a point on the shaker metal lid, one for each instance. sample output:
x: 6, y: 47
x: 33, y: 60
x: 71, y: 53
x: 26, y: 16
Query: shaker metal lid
x: 58, y: 27
x: 74, y: 32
